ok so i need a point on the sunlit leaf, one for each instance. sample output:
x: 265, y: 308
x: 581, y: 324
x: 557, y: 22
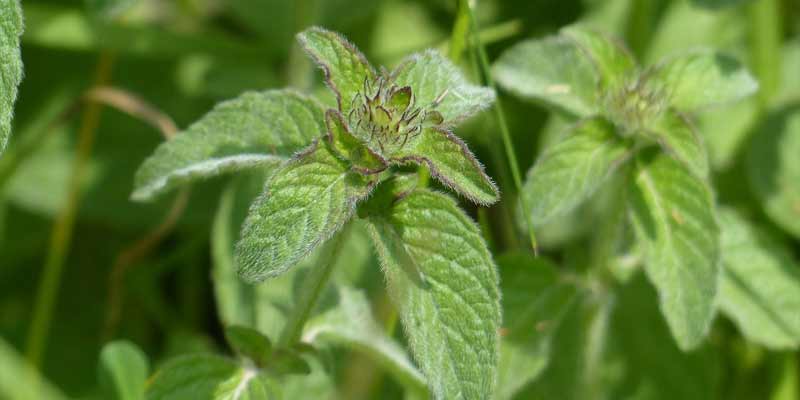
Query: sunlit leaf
x: 678, y: 137
x: 10, y: 66
x: 123, y: 371
x: 16, y: 377
x: 613, y: 63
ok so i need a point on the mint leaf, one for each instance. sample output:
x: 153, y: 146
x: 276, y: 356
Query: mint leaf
x: 303, y: 205
x: 351, y: 324
x: 123, y: 371
x: 255, y: 129
x: 572, y: 169
x: 760, y: 288
x: 613, y: 63
x: 452, y: 315
x: 16, y: 376
x: 678, y: 137
x: 10, y: 66
x: 552, y: 70
x: 350, y: 148
x: 249, y: 343
x: 212, y: 377
x: 703, y: 79
x: 674, y: 216
x: 432, y: 76
x: 346, y: 69
x: 451, y: 163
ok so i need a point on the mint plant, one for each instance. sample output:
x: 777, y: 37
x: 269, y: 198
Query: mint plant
x: 634, y: 122
x: 11, y: 65
x: 328, y: 166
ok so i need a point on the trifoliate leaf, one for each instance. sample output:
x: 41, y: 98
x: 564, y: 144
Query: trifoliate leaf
x: 553, y: 70
x: 345, y: 68
x: 678, y: 137
x: 350, y: 148
x: 451, y: 163
x: 10, y: 66
x: 437, y: 81
x: 303, y: 205
x: 760, y: 288
x: 123, y: 371
x: 451, y: 316
x: 351, y: 324
x: 703, y: 79
x: 572, y: 169
x: 613, y: 63
x: 674, y: 216
x: 255, y: 129
x: 210, y: 377
x: 249, y: 343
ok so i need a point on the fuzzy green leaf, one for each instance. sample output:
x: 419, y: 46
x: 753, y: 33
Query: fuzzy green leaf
x: 344, y: 66
x: 612, y: 61
x: 451, y: 316
x: 572, y: 169
x: 209, y: 377
x: 431, y: 75
x: 760, y: 288
x: 553, y: 70
x: 351, y: 324
x: 704, y: 79
x: 451, y: 163
x: 303, y: 205
x: 350, y: 148
x: 10, y: 66
x: 674, y: 215
x: 249, y: 343
x: 123, y: 371
x: 255, y: 129
x: 677, y: 136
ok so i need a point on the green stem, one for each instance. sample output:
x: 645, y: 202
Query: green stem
x: 765, y: 47
x: 310, y: 292
x: 483, y: 62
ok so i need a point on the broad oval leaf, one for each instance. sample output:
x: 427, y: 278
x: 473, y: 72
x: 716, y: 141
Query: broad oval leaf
x: 431, y: 76
x: 760, y: 288
x: 11, y: 65
x: 572, y: 169
x: 703, y: 79
x: 449, y: 304
x: 552, y: 70
x: 678, y: 137
x: 674, y: 215
x: 451, y: 163
x: 253, y: 130
x: 206, y: 376
x: 613, y: 63
x: 123, y: 371
x: 303, y: 205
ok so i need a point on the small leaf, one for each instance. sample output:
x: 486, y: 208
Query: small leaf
x: 553, y: 70
x: 452, y: 317
x: 123, y: 371
x: 211, y: 377
x: 345, y: 68
x: 432, y: 76
x: 451, y: 163
x: 11, y: 65
x: 703, y: 79
x: 253, y: 130
x: 249, y: 343
x: 611, y: 60
x: 760, y: 288
x: 677, y: 136
x: 673, y: 212
x: 351, y: 324
x: 289, y: 362
x: 351, y: 148
x: 303, y: 205
x: 573, y: 169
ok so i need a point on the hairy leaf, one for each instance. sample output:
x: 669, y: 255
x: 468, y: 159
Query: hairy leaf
x: 211, y: 377
x: 345, y: 68
x: 760, y: 288
x: 450, y: 162
x: 553, y: 70
x: 302, y: 206
x: 10, y: 64
x: 351, y: 148
x: 351, y: 324
x: 674, y: 215
x: 612, y: 61
x: 253, y: 130
x: 704, y: 79
x: 432, y: 76
x: 572, y: 169
x: 677, y: 136
x: 451, y: 310
x: 123, y: 371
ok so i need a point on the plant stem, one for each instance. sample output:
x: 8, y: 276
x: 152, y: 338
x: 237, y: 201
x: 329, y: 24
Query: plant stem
x: 61, y: 236
x: 310, y: 291
x: 483, y: 62
x: 765, y: 46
